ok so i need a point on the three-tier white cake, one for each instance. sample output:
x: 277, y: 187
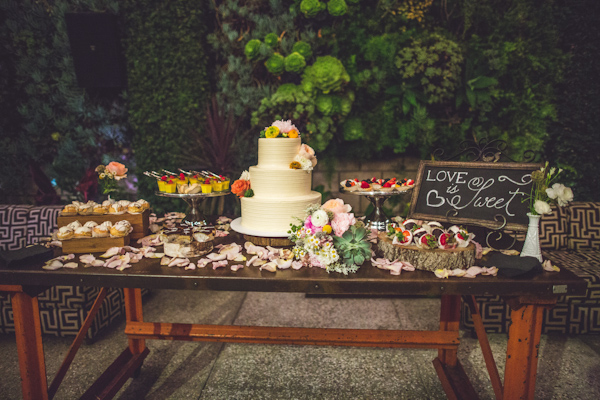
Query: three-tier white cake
x: 280, y: 193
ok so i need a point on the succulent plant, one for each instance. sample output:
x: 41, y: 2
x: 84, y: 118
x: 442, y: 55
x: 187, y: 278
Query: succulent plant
x: 295, y: 62
x: 271, y: 40
x: 353, y: 246
x: 310, y: 8
x: 303, y: 48
x: 326, y: 74
x: 275, y: 64
x: 337, y: 8
x: 252, y: 49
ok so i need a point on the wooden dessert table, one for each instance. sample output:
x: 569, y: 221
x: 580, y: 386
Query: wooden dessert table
x: 528, y: 297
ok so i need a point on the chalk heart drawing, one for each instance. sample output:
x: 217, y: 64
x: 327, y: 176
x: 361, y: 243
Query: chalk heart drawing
x: 435, y: 200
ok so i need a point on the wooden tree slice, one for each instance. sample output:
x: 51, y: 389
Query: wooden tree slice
x: 427, y: 260
x: 269, y: 241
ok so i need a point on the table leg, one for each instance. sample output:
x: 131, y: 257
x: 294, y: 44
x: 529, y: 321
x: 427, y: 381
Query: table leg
x: 455, y: 381
x: 133, y: 313
x: 522, y: 352
x: 28, y: 334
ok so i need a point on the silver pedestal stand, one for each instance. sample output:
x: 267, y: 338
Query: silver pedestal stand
x: 193, y: 213
x: 377, y: 218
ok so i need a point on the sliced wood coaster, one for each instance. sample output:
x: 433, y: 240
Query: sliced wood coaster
x: 139, y: 222
x: 269, y: 241
x: 93, y: 245
x: 427, y: 260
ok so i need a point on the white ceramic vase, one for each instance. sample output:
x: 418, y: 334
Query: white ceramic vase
x: 531, y: 247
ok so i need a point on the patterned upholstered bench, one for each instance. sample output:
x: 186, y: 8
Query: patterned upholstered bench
x: 62, y: 308
x: 570, y: 237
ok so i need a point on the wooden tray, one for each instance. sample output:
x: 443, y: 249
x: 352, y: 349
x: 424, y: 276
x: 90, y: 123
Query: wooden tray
x: 93, y: 245
x: 425, y: 259
x: 139, y: 222
x: 269, y: 241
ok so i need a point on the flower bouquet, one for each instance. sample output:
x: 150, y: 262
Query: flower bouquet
x: 109, y: 175
x: 544, y: 191
x: 330, y: 237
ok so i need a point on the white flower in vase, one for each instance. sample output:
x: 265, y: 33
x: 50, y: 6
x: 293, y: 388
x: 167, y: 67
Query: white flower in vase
x: 541, y: 207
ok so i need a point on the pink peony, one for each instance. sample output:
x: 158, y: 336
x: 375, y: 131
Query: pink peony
x: 117, y: 169
x: 307, y: 152
x: 336, y: 206
x: 314, y: 262
x: 284, y: 126
x: 309, y: 225
x: 342, y: 222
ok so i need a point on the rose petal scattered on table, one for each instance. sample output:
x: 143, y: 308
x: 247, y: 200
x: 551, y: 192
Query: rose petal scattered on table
x: 270, y: 266
x: 219, y: 264
x: 191, y: 266
x: 236, y: 267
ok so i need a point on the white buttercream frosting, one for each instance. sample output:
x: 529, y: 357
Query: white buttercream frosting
x: 277, y: 152
x: 279, y: 183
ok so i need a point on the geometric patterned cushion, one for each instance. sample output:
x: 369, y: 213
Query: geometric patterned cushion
x: 584, y: 226
x: 68, y: 297
x: 553, y: 230
x: 13, y: 226
x: 571, y: 315
x: 41, y: 222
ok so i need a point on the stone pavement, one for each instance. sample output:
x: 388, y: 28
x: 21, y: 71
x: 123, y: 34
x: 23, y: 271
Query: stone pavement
x: 569, y: 366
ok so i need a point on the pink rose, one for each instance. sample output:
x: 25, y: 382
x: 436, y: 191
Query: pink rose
x: 306, y: 151
x: 117, y: 169
x: 342, y: 222
x: 336, y: 206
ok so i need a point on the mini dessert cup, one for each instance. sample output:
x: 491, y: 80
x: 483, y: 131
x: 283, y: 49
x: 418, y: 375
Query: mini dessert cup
x: 226, y: 184
x: 217, y: 186
x: 170, y: 187
x: 162, y: 186
x: 206, y: 187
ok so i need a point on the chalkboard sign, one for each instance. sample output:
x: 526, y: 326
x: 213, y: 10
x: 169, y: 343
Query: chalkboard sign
x: 478, y: 193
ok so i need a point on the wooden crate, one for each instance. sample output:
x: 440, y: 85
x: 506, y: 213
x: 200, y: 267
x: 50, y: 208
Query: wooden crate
x: 93, y: 245
x: 139, y: 222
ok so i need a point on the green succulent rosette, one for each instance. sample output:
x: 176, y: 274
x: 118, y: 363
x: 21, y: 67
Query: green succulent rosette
x: 252, y: 49
x: 337, y: 8
x: 303, y: 48
x: 311, y: 8
x: 326, y: 74
x: 275, y: 64
x: 295, y: 62
x: 272, y: 40
x: 353, y: 246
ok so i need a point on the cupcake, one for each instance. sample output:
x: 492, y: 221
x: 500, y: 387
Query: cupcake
x: 116, y: 208
x: 90, y: 224
x: 70, y: 209
x: 100, y: 231
x: 64, y: 233
x: 82, y: 232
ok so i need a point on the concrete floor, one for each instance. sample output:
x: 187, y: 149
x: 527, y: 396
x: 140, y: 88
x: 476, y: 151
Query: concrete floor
x: 569, y: 367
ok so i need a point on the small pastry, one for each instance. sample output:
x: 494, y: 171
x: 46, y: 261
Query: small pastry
x: 135, y: 208
x: 64, y: 233
x: 70, y: 209
x: 116, y: 208
x: 99, y: 209
x: 100, y: 231
x: 124, y: 203
x: 82, y: 232
x: 90, y: 224
x: 85, y: 209
x: 120, y: 229
x: 145, y: 205
x: 74, y: 225
x: 365, y: 186
x: 107, y: 224
x: 107, y: 203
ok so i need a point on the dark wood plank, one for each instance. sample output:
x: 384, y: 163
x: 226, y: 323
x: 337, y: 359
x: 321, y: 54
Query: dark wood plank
x: 454, y: 381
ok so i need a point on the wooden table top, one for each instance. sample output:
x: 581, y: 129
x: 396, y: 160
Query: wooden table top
x: 369, y: 280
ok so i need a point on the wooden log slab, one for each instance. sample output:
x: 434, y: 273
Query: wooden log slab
x: 427, y: 260
x: 269, y: 241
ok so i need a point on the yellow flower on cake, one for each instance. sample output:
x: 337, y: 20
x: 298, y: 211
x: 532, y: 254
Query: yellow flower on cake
x: 295, y: 165
x: 272, y: 132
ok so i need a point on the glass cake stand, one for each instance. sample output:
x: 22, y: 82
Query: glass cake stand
x: 377, y: 218
x: 193, y: 213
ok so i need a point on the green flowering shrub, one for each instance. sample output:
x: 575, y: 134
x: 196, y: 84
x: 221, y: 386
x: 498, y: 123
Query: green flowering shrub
x: 337, y: 8
x: 275, y: 64
x: 252, y: 49
x: 271, y: 40
x: 295, y: 62
x: 311, y: 8
x: 326, y: 74
x: 303, y: 48
x: 435, y: 62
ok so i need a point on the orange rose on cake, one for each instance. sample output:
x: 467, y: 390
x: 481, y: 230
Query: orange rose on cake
x: 242, y: 186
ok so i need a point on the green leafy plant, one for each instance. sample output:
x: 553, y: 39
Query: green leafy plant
x: 352, y: 246
x: 272, y: 40
x: 337, y: 8
x: 303, y: 48
x: 326, y: 74
x: 311, y: 8
x: 275, y: 64
x: 252, y: 49
x: 295, y: 62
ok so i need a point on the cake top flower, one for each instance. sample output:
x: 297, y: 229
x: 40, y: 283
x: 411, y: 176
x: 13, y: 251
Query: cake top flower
x: 280, y: 128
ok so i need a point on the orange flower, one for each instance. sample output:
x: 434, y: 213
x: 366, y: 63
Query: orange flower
x: 292, y: 134
x: 239, y: 187
x: 295, y: 165
x: 117, y: 169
